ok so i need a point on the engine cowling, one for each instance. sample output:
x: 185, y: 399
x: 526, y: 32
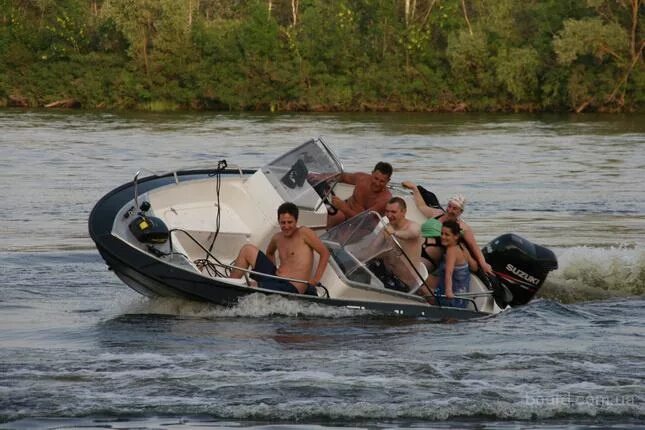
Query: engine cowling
x: 520, y: 265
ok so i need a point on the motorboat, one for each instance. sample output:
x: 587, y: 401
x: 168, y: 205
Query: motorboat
x: 177, y: 235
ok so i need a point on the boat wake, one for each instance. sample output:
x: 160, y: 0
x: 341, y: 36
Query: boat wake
x: 253, y: 306
x: 596, y: 274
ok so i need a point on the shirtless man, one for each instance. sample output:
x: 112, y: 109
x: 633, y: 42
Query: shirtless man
x: 295, y: 246
x: 408, y: 234
x: 370, y: 192
x: 454, y: 210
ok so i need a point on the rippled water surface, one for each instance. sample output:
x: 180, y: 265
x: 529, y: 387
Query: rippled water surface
x: 79, y: 348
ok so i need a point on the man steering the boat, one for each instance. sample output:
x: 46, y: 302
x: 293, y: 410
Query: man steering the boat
x: 295, y: 246
x: 370, y: 193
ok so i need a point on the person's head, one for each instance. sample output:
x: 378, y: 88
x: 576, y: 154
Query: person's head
x: 395, y: 210
x: 450, y: 233
x: 455, y: 206
x: 381, y: 176
x: 288, y: 218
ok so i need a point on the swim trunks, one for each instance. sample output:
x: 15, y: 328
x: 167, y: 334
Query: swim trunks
x: 264, y: 265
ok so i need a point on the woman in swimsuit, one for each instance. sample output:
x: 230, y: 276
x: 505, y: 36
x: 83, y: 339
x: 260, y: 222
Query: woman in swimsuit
x: 453, y: 275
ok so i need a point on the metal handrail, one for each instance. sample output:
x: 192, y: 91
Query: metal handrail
x: 480, y: 294
x: 135, y: 181
x: 173, y: 173
x: 230, y: 266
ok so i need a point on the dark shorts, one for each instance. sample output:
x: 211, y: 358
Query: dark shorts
x: 264, y: 265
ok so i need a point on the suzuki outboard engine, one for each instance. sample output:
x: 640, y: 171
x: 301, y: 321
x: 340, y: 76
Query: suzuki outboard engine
x: 520, y: 265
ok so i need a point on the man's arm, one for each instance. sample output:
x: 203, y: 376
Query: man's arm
x: 316, y: 244
x: 350, y: 178
x: 272, y: 247
x: 342, y: 206
x: 411, y: 231
x: 378, y: 206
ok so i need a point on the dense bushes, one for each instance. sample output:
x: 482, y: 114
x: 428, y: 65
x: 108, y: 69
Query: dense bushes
x: 417, y: 55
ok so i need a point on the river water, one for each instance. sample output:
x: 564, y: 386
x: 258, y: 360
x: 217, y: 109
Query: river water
x: 80, y: 349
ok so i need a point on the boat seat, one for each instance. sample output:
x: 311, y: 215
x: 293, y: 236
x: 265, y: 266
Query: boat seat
x: 423, y: 271
x: 202, y: 216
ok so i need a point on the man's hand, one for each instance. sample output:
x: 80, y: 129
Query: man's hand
x: 337, y: 201
x: 389, y: 230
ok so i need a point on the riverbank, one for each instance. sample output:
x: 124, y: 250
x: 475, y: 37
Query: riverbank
x: 267, y: 56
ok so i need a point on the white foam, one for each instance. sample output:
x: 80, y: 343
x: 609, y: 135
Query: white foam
x: 254, y: 305
x: 587, y: 273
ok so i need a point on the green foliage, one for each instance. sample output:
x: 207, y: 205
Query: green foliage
x: 471, y: 65
x: 590, y: 37
x: 324, y: 55
x: 598, y: 56
x: 518, y: 70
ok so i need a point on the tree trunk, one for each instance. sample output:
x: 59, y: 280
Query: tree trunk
x: 65, y: 103
x: 635, y: 9
x: 18, y: 101
x: 463, y: 6
x: 294, y: 11
x: 190, y: 13
x: 145, y: 54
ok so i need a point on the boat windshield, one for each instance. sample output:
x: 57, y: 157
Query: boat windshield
x: 357, y: 241
x: 306, y: 175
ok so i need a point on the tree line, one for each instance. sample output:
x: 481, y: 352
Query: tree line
x: 324, y: 55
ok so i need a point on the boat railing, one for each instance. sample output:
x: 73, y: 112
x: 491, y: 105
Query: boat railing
x: 212, y: 260
x: 399, y: 189
x: 175, y: 174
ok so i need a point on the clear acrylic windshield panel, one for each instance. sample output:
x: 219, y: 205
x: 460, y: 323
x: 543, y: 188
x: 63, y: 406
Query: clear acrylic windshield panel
x: 357, y: 241
x: 304, y: 175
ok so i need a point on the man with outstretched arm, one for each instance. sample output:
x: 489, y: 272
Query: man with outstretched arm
x: 295, y: 246
x: 370, y: 193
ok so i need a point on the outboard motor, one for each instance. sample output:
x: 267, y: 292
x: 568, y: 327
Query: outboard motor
x: 520, y: 265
